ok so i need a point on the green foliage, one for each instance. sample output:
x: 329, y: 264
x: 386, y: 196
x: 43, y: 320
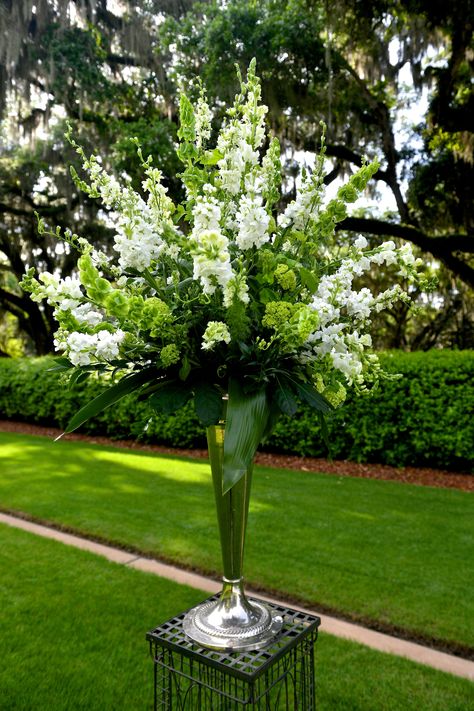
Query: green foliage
x: 170, y: 397
x: 440, y: 191
x: 156, y: 135
x: 424, y: 418
x: 208, y: 403
x: 110, y: 396
x: 219, y: 37
x: 78, y: 59
x: 12, y: 342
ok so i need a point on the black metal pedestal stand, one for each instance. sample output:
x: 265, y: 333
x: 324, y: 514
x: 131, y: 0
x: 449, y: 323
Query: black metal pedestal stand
x: 277, y: 678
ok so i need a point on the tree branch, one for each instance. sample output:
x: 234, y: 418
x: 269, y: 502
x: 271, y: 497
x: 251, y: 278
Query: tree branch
x: 344, y: 153
x: 442, y: 248
x: 20, y: 212
x: 15, y: 300
x: 381, y: 116
x: 40, y: 209
x: 122, y: 59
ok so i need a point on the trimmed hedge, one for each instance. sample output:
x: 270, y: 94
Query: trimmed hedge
x: 423, y: 419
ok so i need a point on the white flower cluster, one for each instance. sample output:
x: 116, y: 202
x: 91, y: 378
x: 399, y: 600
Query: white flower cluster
x: 65, y: 292
x: 139, y: 224
x: 102, y: 184
x: 253, y: 221
x: 236, y: 289
x: 66, y: 295
x: 343, y: 312
x: 216, y: 332
x: 300, y: 210
x: 83, y: 348
x: 206, y: 212
x: 86, y: 315
x: 212, y: 260
x: 240, y: 140
x: 203, y: 118
x: 238, y: 154
x: 209, y: 246
x: 160, y: 204
x: 136, y: 241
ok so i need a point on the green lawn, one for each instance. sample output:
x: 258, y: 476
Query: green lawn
x: 72, y: 638
x: 389, y: 552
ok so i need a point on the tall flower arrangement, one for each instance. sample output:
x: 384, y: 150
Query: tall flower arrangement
x: 223, y: 294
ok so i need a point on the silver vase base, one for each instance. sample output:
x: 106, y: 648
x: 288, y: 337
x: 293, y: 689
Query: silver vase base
x: 232, y: 622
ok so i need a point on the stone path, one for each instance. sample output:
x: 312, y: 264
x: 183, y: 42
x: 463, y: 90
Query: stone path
x: 381, y: 642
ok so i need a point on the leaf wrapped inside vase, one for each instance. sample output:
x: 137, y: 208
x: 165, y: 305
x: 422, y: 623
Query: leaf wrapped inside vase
x: 246, y: 421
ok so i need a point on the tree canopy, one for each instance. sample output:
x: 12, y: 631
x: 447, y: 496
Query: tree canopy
x: 390, y: 79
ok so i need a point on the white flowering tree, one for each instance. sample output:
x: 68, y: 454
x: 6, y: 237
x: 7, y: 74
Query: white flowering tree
x: 221, y: 294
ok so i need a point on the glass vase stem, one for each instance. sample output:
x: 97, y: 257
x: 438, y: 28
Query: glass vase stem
x: 232, y: 621
x: 232, y: 507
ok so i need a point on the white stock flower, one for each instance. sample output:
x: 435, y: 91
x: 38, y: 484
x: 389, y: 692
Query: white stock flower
x: 360, y: 243
x: 303, y: 208
x: 406, y: 254
x: 348, y: 363
x: 236, y: 289
x: 359, y: 303
x: 56, y: 289
x: 81, y: 348
x: 106, y: 185
x: 211, y: 260
x: 253, y: 221
x: 387, y: 254
x: 160, y: 206
x: 388, y: 297
x: 85, y: 314
x: 203, y: 118
x: 136, y: 241
x: 107, y: 345
x: 361, y: 265
x: 239, y: 154
x: 216, y: 332
x: 407, y: 261
x: 206, y: 214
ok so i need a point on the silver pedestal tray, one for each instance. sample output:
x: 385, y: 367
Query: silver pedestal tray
x: 233, y: 621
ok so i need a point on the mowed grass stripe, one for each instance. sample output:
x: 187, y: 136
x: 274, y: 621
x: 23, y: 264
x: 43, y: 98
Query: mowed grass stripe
x: 396, y: 554
x: 72, y: 639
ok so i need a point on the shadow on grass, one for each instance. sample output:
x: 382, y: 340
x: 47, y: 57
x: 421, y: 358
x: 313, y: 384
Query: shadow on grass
x: 378, y: 550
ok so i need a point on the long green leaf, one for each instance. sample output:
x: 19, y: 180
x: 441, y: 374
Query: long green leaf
x: 312, y: 397
x: 273, y: 417
x: 207, y: 403
x: 284, y: 397
x: 110, y: 396
x: 170, y: 396
x: 246, y: 420
x: 60, y: 364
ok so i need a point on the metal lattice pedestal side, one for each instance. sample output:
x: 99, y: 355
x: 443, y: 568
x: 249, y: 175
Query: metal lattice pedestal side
x: 278, y: 678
